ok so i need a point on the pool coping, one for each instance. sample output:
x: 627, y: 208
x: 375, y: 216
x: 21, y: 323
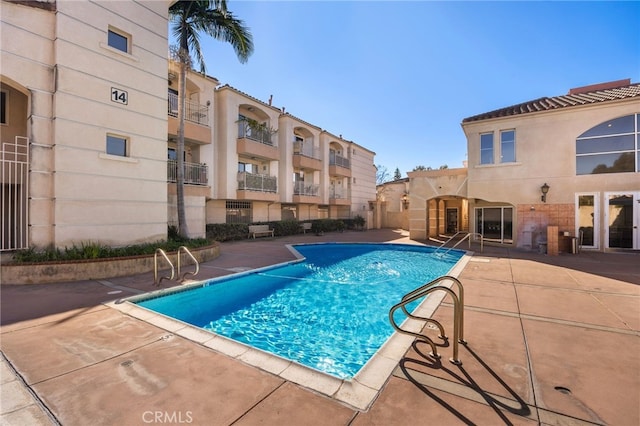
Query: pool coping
x: 358, y: 392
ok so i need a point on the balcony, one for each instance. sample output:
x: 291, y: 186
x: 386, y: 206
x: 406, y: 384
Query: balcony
x: 339, y: 196
x: 194, y: 173
x: 306, y: 193
x: 310, y: 189
x: 306, y: 156
x: 196, y: 120
x: 253, y: 186
x: 194, y: 112
x: 257, y: 182
x: 257, y: 133
x: 339, y: 166
x: 256, y: 143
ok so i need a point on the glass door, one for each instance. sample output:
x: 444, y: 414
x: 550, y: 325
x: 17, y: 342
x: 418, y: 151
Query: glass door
x: 587, y: 220
x: 622, y: 217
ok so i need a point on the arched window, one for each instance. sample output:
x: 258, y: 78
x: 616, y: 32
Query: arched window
x: 609, y: 147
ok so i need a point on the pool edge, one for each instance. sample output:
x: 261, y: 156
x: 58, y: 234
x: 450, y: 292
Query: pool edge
x: 360, y: 392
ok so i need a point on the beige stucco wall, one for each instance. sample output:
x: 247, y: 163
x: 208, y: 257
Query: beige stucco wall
x: 27, y: 66
x: 363, y: 180
x: 62, y: 61
x: 545, y: 153
x: 443, y: 188
x: 229, y: 102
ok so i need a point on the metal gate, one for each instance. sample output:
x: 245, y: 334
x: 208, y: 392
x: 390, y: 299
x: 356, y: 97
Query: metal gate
x: 14, y: 194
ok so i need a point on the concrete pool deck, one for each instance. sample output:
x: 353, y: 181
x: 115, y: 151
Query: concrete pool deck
x: 552, y: 340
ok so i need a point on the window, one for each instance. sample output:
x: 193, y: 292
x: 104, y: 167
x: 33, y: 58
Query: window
x: 239, y: 212
x: 486, y: 148
x: 116, y: 145
x: 508, y: 146
x: 610, y: 147
x: 118, y: 40
x: 3, y: 107
x: 248, y: 167
x: 495, y: 223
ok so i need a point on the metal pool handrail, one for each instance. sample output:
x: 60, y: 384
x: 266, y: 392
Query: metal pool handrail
x: 458, y: 314
x: 156, y: 281
x: 467, y: 236
x: 195, y: 261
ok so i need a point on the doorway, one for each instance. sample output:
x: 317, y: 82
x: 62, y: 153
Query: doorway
x: 452, y: 220
x: 622, y: 220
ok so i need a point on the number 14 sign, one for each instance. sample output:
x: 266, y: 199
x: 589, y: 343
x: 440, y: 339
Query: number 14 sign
x: 119, y: 96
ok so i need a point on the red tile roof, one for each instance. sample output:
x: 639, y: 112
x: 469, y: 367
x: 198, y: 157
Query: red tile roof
x: 575, y: 97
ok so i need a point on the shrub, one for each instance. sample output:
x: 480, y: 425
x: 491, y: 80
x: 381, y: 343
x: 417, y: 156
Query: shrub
x: 227, y: 231
x: 92, y: 250
x: 285, y: 227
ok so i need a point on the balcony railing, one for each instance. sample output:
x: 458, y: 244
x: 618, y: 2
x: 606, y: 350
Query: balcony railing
x: 337, y: 160
x: 306, y: 149
x: 257, y: 182
x: 309, y: 189
x: 194, y: 173
x: 194, y: 112
x: 338, y: 193
x: 264, y: 136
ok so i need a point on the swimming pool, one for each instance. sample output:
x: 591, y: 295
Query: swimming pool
x: 328, y: 312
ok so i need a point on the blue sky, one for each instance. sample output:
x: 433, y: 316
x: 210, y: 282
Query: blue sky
x: 399, y: 77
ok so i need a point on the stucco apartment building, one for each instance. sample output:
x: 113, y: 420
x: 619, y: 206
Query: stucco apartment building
x: 568, y: 164
x: 88, y: 129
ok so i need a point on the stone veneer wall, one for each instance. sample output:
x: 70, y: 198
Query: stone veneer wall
x: 540, y: 216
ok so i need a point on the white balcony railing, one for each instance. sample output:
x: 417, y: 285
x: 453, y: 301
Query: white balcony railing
x: 337, y: 160
x: 307, y: 149
x: 309, y: 189
x: 338, y: 193
x: 194, y: 112
x: 194, y: 173
x: 257, y: 182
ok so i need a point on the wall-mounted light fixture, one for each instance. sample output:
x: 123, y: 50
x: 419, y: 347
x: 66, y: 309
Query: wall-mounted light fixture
x: 545, y: 189
x: 405, y: 201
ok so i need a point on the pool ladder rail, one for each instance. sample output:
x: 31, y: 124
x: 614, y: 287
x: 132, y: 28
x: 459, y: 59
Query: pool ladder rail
x: 174, y: 273
x: 465, y: 236
x: 458, y: 314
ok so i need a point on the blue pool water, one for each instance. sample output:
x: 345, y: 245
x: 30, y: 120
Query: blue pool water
x: 329, y: 312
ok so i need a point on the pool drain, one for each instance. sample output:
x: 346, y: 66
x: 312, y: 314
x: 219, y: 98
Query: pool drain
x: 563, y: 390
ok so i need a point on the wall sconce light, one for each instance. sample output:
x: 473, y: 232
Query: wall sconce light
x: 405, y: 201
x: 545, y: 189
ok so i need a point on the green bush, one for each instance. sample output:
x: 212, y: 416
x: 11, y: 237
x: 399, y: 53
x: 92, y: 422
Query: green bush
x: 227, y: 231
x: 285, y: 227
x: 88, y: 250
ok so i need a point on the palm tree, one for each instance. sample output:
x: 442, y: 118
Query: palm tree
x: 188, y: 19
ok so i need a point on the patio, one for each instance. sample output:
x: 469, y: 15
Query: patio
x: 551, y: 340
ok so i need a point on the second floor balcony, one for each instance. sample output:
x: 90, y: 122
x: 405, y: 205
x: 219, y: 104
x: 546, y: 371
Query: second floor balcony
x: 306, y: 189
x: 339, y: 196
x: 194, y: 173
x: 257, y: 182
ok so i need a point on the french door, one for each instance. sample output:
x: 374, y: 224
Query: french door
x: 622, y: 220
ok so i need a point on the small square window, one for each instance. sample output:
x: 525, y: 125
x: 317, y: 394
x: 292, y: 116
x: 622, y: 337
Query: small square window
x: 116, y: 145
x: 118, y: 41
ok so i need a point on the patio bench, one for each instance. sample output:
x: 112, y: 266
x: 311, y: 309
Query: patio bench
x: 259, y: 230
x: 306, y: 227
